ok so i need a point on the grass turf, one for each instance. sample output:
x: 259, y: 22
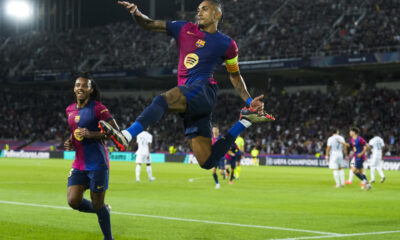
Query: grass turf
x: 286, y: 197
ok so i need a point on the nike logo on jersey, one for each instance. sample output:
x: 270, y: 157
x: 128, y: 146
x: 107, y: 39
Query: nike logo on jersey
x: 190, y: 33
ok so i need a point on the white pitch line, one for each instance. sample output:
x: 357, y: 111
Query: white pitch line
x: 192, y: 179
x: 339, y: 235
x: 177, y: 219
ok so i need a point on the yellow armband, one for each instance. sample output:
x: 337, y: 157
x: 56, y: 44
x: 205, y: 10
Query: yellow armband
x: 232, y: 65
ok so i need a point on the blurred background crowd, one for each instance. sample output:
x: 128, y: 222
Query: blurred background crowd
x: 304, y: 119
x: 262, y: 30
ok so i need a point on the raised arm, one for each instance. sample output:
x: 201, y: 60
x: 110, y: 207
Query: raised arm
x: 143, y: 20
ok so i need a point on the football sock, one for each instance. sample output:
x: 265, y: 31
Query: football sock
x: 138, y: 168
x: 365, y: 177
x: 237, y: 171
x: 341, y: 176
x: 149, y: 116
x: 86, y: 206
x: 103, y: 216
x: 360, y: 176
x: 336, y: 177
x: 149, y: 172
x: 351, y: 175
x: 239, y: 127
x: 227, y: 170
x: 221, y: 147
x: 372, y: 174
x: 380, y: 172
x: 232, y: 174
x: 215, y: 178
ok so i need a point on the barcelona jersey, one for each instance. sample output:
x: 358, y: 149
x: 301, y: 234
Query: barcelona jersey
x: 201, y: 52
x: 359, y: 144
x: 90, y: 154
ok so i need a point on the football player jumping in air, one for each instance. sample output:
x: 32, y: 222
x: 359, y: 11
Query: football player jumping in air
x: 201, y: 48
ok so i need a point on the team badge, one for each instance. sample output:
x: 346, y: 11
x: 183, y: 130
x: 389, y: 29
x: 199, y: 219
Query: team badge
x: 191, y: 60
x: 200, y: 43
x: 77, y: 118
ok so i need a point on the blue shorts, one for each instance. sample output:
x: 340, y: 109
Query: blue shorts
x: 221, y: 163
x: 96, y: 180
x: 201, y: 97
x: 359, y: 163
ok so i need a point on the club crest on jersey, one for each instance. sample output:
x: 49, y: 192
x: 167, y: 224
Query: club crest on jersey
x: 191, y: 60
x: 77, y: 118
x: 200, y: 43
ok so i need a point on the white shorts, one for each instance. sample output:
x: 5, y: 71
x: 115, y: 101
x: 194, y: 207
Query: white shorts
x: 375, y: 161
x: 143, y: 158
x: 336, y: 161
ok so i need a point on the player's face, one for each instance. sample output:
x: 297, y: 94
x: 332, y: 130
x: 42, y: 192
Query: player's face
x: 82, y: 89
x: 352, y: 133
x: 215, y: 132
x: 207, y: 14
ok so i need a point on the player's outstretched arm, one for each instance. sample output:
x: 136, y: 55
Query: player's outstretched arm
x: 240, y: 86
x: 143, y: 20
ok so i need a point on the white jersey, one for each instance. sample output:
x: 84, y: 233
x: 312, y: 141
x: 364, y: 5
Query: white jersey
x: 335, y: 142
x: 143, y: 140
x: 377, y: 144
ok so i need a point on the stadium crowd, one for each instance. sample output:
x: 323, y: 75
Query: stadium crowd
x: 262, y: 29
x: 304, y: 119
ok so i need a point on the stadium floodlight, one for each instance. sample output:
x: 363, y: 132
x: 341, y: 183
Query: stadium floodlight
x: 19, y: 9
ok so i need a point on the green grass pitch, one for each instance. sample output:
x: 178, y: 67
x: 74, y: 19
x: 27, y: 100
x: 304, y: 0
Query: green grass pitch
x: 266, y: 203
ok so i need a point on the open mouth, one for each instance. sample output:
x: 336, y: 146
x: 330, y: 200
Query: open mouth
x: 80, y: 93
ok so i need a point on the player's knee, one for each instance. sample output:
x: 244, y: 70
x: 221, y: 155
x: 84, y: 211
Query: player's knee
x: 208, y: 164
x: 74, y: 203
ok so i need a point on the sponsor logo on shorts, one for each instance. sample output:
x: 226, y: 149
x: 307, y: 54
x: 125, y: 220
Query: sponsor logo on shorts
x: 77, y: 118
x: 191, y: 60
x: 99, y: 187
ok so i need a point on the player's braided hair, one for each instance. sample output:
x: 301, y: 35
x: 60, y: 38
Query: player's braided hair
x: 96, y: 94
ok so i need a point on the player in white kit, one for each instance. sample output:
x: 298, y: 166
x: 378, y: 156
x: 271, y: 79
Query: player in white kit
x: 376, y: 144
x: 144, y: 140
x: 334, y: 154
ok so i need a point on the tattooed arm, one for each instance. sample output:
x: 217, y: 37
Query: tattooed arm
x: 143, y: 20
x: 240, y: 87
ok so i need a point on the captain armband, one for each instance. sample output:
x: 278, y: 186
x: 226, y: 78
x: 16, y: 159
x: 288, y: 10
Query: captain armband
x: 232, y: 65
